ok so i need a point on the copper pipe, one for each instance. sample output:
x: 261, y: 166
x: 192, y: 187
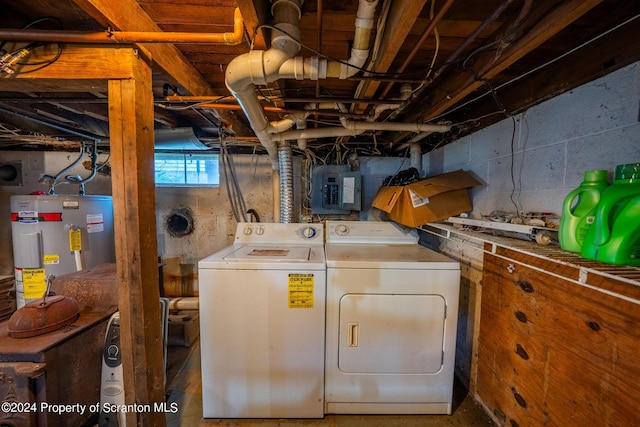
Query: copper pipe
x: 436, y: 19
x: 111, y: 36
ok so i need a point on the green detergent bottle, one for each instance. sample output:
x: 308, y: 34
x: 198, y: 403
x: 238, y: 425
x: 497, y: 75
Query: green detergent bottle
x: 578, y: 210
x: 614, y: 236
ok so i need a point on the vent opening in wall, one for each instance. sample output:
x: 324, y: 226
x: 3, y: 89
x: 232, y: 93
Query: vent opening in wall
x: 180, y: 223
x: 11, y: 173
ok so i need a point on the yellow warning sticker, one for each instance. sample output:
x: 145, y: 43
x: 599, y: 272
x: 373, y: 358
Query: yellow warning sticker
x: 301, y: 290
x: 34, y: 283
x: 51, y: 259
x: 75, y: 240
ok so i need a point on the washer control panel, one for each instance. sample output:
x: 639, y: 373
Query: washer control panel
x: 253, y: 232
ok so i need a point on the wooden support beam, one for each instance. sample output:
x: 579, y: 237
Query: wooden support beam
x: 254, y: 13
x: 456, y: 88
x: 131, y: 132
x: 128, y: 15
x: 79, y: 69
x: 402, y: 16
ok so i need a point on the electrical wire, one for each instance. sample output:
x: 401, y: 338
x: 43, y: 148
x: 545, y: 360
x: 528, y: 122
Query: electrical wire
x: 436, y: 35
x: 234, y: 193
x: 34, y: 45
x: 540, y: 67
x: 322, y: 55
x: 512, y: 165
x: 190, y: 106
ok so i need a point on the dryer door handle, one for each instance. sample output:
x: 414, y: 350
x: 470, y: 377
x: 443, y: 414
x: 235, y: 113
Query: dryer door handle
x: 352, y: 334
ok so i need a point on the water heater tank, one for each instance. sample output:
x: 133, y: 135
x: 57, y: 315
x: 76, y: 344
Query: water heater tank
x: 58, y: 234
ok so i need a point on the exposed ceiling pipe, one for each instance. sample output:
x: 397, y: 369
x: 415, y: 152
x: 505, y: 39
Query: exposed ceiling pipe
x: 261, y: 67
x: 111, y: 36
x: 51, y: 125
x: 213, y: 99
x: 352, y: 128
x: 415, y: 155
x: 418, y: 45
x: 405, y: 93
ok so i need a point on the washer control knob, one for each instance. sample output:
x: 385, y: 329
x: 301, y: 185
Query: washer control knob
x: 247, y: 231
x: 260, y: 231
x: 309, y: 232
x: 342, y: 230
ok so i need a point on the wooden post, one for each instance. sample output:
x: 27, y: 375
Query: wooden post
x: 133, y: 187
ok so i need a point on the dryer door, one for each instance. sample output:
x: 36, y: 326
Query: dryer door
x: 391, y: 333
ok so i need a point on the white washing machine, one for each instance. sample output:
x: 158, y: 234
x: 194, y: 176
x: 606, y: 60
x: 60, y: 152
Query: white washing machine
x: 392, y: 308
x: 262, y: 323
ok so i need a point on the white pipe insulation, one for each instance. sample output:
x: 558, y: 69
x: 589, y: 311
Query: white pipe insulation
x: 415, y: 154
x: 259, y: 67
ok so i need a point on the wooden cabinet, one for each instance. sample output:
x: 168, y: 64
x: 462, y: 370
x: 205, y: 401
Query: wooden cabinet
x: 559, y: 342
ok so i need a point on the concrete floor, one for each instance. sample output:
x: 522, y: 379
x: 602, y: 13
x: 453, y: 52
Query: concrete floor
x: 185, y: 389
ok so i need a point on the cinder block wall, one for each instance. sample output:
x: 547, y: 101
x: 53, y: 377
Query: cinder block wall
x: 595, y: 126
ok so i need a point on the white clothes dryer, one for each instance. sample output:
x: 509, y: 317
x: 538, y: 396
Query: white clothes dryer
x: 392, y: 308
x: 262, y: 323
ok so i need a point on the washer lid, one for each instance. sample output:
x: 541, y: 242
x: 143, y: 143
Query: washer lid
x: 266, y: 257
x: 270, y: 254
x: 414, y: 257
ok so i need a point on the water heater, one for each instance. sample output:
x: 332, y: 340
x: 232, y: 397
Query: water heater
x: 58, y: 234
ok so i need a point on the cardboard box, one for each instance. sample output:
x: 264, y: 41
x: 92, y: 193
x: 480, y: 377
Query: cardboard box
x: 431, y: 199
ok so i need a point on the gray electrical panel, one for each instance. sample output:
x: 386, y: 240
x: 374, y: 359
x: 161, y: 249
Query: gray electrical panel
x: 336, y: 189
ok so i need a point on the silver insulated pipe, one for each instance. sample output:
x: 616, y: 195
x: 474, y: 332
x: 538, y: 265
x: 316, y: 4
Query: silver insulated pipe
x: 285, y: 159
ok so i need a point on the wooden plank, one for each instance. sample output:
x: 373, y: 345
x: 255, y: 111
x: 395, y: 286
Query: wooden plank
x: 131, y: 131
x: 80, y: 68
x: 458, y: 87
x: 555, y: 352
x: 402, y: 17
x: 128, y: 15
x: 254, y: 13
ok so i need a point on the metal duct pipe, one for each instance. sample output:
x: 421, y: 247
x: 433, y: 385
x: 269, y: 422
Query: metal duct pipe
x: 128, y: 36
x: 285, y: 160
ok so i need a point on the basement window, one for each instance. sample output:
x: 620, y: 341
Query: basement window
x: 187, y: 170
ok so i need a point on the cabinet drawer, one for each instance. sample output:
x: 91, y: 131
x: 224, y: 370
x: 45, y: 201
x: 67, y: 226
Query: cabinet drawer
x: 551, y: 350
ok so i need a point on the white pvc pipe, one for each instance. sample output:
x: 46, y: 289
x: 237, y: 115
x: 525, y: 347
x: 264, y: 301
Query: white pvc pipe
x: 262, y: 67
x: 401, y: 127
x: 184, y: 303
x: 415, y: 153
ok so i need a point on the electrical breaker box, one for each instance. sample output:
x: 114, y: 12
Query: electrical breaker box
x: 335, y: 190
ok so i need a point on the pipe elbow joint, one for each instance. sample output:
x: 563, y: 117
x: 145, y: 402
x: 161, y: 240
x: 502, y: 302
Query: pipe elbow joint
x: 355, y: 63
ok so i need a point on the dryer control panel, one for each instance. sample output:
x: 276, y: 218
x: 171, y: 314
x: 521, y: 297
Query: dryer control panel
x: 375, y: 232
